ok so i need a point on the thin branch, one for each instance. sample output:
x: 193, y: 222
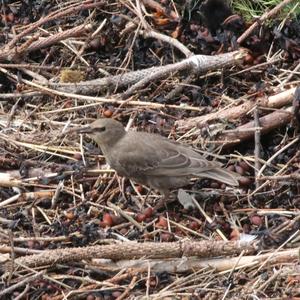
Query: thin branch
x: 266, y: 16
x: 128, y: 250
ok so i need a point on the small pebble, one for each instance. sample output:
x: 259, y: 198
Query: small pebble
x: 245, y: 181
x: 239, y: 170
x: 107, y: 219
x: 256, y: 220
x: 140, y: 217
x: 148, y: 212
x: 108, y: 113
x: 162, y: 223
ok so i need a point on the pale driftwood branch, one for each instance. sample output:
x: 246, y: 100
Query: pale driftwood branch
x: 181, y: 265
x: 96, y: 101
x: 132, y: 250
x: 233, y: 113
x: 200, y: 63
x: 247, y: 131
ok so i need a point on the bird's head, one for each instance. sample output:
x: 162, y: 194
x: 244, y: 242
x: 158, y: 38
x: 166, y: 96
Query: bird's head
x: 104, y: 131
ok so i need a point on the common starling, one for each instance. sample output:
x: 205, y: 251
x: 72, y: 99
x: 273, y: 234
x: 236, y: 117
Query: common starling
x: 151, y: 159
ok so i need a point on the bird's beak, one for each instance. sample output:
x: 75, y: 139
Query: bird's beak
x: 85, y: 129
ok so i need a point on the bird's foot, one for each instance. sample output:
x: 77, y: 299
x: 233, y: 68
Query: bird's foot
x: 163, y: 202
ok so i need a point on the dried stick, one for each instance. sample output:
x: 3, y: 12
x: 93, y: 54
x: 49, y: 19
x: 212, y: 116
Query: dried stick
x: 23, y: 293
x: 130, y: 250
x: 247, y: 131
x: 167, y: 39
x: 22, y: 95
x: 233, y: 113
x: 27, y: 196
x: 178, y: 88
x: 7, y: 180
x: 282, y: 149
x: 53, y: 16
x: 199, y: 63
x: 21, y: 283
x: 126, y: 216
x: 7, y: 222
x: 290, y: 177
x: 128, y: 289
x: 34, y: 45
x: 46, y: 42
x: 98, y: 100
x: 257, y: 136
x: 19, y: 250
x: 263, y: 18
x: 179, y: 265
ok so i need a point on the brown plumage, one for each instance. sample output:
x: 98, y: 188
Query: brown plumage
x: 151, y: 159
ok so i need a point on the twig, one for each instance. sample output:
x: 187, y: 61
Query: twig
x: 273, y: 254
x: 98, y: 100
x: 21, y: 283
x: 257, y: 145
x: 272, y: 278
x: 209, y: 220
x: 53, y: 39
x: 26, y: 196
x: 19, y: 250
x: 128, y: 289
x: 53, y: 16
x: 290, y: 76
x: 233, y: 113
x: 162, y: 37
x: 7, y: 221
x: 244, y: 132
x: 23, y: 293
x: 126, y: 216
x: 183, y: 265
x: 179, y: 87
x: 266, y: 16
x: 199, y: 63
x: 129, y: 250
x: 13, y: 96
x: 259, y: 173
x: 290, y: 177
x: 12, y: 255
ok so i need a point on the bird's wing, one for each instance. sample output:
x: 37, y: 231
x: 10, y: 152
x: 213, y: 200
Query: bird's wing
x: 182, y: 161
x: 159, y: 157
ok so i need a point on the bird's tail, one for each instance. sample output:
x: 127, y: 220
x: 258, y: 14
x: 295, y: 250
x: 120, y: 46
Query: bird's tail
x: 222, y: 175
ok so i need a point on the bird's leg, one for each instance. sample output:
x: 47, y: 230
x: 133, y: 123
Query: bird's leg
x: 162, y: 200
x: 147, y: 196
x: 165, y: 199
x: 121, y: 183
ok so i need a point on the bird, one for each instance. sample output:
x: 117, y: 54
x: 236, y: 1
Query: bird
x: 151, y: 159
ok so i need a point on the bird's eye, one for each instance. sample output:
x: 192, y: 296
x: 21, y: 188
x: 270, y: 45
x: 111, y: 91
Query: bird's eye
x: 100, y: 129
